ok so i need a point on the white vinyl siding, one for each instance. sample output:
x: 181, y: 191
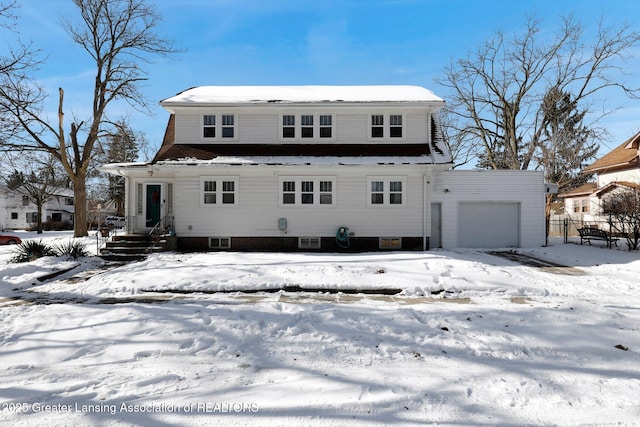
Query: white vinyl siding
x: 349, y: 125
x: 259, y: 204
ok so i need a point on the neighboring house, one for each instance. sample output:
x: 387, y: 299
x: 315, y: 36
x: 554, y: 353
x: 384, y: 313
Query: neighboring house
x: 99, y: 212
x: 18, y: 212
x: 322, y: 167
x: 618, y: 169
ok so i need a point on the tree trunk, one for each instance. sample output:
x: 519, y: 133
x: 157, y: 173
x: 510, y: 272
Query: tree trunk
x: 80, y: 224
x: 39, y: 227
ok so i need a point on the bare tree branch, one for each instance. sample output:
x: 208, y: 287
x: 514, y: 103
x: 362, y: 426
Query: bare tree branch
x: 496, y: 92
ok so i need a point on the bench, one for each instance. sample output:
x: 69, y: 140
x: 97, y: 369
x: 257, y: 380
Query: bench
x: 588, y: 234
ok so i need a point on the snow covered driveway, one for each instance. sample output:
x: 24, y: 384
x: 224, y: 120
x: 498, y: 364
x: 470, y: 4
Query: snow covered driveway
x: 473, y: 339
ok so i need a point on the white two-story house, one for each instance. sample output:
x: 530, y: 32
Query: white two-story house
x: 325, y: 168
x: 17, y: 211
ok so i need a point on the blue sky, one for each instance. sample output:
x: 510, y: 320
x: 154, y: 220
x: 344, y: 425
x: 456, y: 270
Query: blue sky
x: 287, y: 42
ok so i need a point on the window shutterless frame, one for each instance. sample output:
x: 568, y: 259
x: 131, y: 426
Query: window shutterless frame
x: 307, y: 191
x: 306, y: 127
x: 386, y: 191
x: 218, y: 191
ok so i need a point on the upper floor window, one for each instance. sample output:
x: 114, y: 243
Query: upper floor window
x: 307, y: 126
x: 288, y: 126
x: 386, y: 126
x: 209, y: 126
x: 25, y: 201
x: 377, y: 126
x: 228, y: 127
x: 307, y: 191
x: 386, y: 191
x: 326, y: 125
x: 222, y: 126
x: 395, y: 126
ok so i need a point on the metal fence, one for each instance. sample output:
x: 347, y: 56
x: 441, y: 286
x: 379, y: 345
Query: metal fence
x: 568, y: 227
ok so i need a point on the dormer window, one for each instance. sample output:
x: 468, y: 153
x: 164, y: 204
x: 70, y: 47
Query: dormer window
x: 377, y: 126
x: 395, y: 126
x: 228, y: 127
x: 386, y: 126
x: 307, y: 126
x: 215, y: 127
x: 325, y: 126
x: 289, y: 126
x: 209, y: 126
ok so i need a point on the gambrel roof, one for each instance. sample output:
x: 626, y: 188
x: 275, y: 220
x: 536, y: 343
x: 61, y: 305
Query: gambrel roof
x: 433, y: 150
x: 400, y: 153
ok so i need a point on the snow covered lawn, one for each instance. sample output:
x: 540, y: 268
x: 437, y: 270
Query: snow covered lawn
x: 472, y: 339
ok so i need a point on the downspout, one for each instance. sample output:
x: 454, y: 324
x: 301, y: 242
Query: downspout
x: 426, y: 185
x: 424, y: 212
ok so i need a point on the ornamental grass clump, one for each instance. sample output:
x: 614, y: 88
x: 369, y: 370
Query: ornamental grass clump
x: 72, y: 248
x: 30, y: 250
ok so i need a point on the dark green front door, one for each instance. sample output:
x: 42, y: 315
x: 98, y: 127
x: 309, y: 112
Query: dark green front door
x: 153, y: 205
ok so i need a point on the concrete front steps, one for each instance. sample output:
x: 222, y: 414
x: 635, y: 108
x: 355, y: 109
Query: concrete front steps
x: 135, y: 247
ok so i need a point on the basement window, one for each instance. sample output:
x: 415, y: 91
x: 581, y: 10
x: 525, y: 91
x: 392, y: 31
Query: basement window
x: 309, y: 242
x: 220, y: 242
x: 390, y: 243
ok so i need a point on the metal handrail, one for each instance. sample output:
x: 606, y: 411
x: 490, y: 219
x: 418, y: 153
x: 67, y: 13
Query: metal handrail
x: 162, y: 228
x: 104, y: 234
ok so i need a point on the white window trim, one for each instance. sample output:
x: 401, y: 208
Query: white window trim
x: 316, y: 191
x: 220, y: 246
x: 297, y: 138
x: 386, y: 191
x: 218, y: 128
x: 219, y: 191
x: 312, y: 242
x: 386, y: 127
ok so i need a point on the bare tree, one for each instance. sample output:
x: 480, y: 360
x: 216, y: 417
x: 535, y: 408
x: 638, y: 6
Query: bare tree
x: 457, y: 139
x: 120, y: 36
x: 37, y: 180
x: 623, y: 208
x: 122, y: 146
x: 497, y: 91
x: 17, y: 60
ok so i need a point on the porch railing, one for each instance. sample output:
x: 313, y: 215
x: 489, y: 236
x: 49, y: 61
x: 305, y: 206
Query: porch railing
x: 164, y: 227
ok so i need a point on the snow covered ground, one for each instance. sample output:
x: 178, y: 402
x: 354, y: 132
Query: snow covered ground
x: 472, y: 339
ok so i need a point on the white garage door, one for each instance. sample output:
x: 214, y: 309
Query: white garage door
x: 488, y: 225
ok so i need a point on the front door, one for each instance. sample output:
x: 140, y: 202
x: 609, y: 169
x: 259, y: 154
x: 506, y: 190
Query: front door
x: 153, y: 205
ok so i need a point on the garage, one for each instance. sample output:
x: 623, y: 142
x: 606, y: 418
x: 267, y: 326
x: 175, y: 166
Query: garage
x: 488, y: 224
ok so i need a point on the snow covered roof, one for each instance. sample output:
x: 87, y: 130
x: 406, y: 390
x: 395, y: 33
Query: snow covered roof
x: 302, y: 160
x: 301, y: 94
